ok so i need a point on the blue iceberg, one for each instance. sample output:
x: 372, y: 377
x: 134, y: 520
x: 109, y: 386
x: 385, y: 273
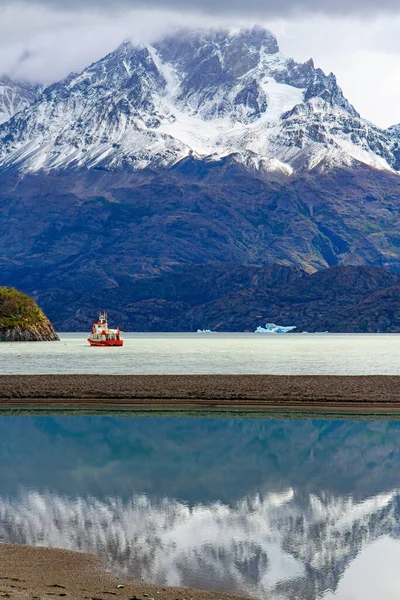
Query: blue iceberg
x: 272, y: 328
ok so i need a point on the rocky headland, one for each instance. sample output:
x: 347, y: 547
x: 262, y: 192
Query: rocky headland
x: 21, y: 320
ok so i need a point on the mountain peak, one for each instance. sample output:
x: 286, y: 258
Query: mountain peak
x: 215, y: 93
x: 259, y: 37
x: 186, y: 47
x: 126, y: 44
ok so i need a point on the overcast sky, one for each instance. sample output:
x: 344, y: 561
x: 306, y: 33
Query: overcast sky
x: 43, y: 40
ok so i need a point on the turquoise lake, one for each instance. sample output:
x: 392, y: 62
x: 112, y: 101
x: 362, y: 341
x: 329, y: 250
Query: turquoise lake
x: 273, y: 508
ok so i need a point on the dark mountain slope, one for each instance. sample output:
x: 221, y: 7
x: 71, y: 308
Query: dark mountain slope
x: 226, y: 297
x: 340, y: 299
x: 91, y: 239
x: 161, y: 303
x: 98, y: 228
x: 378, y: 312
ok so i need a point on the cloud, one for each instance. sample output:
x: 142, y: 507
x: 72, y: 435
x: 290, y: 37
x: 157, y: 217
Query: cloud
x: 45, y: 40
x: 265, y: 8
x: 364, y: 55
x: 39, y: 44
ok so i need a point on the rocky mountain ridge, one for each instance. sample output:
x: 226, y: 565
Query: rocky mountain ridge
x: 203, y: 94
x: 195, y: 213
x: 15, y: 96
x: 119, y: 241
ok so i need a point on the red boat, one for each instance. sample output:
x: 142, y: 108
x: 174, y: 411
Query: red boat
x: 102, y: 335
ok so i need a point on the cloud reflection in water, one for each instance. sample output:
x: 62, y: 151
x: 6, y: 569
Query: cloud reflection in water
x: 272, y: 545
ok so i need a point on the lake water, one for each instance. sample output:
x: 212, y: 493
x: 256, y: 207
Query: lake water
x: 277, y: 509
x: 209, y: 353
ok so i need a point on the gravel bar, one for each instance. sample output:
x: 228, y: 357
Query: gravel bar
x: 374, y: 392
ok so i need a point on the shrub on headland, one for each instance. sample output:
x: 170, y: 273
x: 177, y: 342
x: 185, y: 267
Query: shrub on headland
x: 21, y: 319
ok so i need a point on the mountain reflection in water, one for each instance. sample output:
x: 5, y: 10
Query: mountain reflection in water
x: 271, y: 508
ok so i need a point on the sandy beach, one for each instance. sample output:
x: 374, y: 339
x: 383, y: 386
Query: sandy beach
x: 37, y: 573
x: 344, y: 393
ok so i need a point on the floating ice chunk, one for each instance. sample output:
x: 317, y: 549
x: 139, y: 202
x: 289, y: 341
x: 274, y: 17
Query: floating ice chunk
x: 272, y: 328
x: 315, y: 332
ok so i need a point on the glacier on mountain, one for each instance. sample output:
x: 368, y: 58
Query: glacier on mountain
x: 193, y: 93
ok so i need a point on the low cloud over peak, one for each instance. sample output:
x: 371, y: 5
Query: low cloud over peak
x: 250, y: 8
x: 41, y: 41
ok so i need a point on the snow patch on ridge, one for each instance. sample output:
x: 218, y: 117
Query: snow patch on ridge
x: 282, y: 97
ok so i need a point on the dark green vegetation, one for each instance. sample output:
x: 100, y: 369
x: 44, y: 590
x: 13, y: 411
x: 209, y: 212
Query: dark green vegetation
x: 17, y: 309
x: 21, y: 319
x: 192, y: 247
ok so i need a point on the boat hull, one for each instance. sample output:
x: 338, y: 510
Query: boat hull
x: 106, y: 342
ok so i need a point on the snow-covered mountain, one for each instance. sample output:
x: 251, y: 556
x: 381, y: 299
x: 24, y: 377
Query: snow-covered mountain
x: 15, y: 96
x: 207, y: 94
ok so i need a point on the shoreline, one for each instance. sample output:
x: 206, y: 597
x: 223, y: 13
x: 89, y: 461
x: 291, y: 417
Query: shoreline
x: 325, y: 393
x: 38, y: 572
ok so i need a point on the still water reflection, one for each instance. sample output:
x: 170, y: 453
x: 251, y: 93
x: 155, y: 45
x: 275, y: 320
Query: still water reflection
x: 272, y: 508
